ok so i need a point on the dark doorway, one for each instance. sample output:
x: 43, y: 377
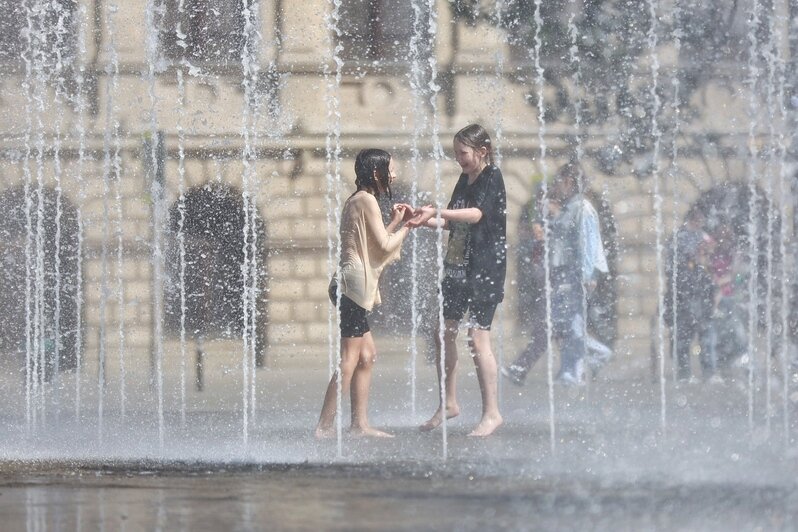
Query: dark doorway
x: 724, y: 263
x: 58, y: 258
x: 213, y: 229
x: 729, y: 206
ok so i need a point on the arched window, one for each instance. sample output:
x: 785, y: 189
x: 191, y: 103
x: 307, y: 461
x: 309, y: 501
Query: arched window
x: 213, y: 231
x: 723, y: 263
x: 56, y: 316
x: 726, y: 210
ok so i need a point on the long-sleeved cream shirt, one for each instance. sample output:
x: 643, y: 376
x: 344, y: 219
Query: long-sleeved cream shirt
x: 366, y: 248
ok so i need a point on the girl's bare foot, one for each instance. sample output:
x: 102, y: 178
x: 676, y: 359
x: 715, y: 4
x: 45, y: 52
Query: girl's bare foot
x: 324, y: 433
x: 368, y: 432
x: 486, y: 426
x: 437, y: 418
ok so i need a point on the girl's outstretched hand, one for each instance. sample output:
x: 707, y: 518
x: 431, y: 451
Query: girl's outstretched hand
x: 421, y: 216
x: 397, y: 214
x: 406, y: 211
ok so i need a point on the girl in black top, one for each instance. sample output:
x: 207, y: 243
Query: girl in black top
x: 474, y: 270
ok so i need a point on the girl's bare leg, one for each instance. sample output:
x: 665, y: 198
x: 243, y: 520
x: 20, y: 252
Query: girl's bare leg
x: 350, y: 353
x: 361, y: 383
x: 487, y: 375
x: 450, y: 380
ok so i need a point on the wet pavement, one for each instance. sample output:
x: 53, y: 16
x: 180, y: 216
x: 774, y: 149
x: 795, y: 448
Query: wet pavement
x: 612, y: 464
x: 378, y: 498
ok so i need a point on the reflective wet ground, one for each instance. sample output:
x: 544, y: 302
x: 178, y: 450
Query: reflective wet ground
x: 380, y: 497
x: 613, y: 466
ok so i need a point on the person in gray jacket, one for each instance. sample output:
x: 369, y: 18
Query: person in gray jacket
x: 575, y: 255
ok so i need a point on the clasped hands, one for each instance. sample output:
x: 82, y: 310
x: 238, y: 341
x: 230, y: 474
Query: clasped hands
x: 413, y: 217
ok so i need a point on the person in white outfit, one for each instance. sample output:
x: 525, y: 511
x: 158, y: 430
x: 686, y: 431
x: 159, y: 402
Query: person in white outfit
x: 575, y: 256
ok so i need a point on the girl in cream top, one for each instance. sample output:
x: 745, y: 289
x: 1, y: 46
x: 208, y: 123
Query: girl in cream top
x: 366, y: 248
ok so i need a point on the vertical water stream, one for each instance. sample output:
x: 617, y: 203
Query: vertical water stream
x: 753, y: 243
x: 153, y: 16
x: 541, y: 104
x: 657, y: 136
x: 333, y: 153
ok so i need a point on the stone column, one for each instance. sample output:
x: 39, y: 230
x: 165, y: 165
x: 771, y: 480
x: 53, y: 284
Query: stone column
x: 130, y: 21
x: 445, y: 43
x: 86, y: 19
x: 304, y: 33
x: 305, y: 49
x: 269, y: 30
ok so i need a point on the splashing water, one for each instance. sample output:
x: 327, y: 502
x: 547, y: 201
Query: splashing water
x: 753, y: 244
x: 333, y: 143
x: 155, y: 7
x: 780, y: 83
x: 81, y: 191
x: 250, y: 78
x: 419, y: 127
x: 673, y: 172
x: 657, y: 135
x: 539, y: 82
x: 181, y: 207
x: 113, y: 250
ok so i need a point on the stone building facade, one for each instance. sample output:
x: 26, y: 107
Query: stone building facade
x: 84, y: 131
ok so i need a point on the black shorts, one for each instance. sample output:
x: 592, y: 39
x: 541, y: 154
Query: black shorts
x: 353, y: 317
x: 457, y: 299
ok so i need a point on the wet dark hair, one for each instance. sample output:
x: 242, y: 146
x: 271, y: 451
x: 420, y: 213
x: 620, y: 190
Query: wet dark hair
x: 475, y: 136
x: 368, y: 161
x: 572, y: 170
